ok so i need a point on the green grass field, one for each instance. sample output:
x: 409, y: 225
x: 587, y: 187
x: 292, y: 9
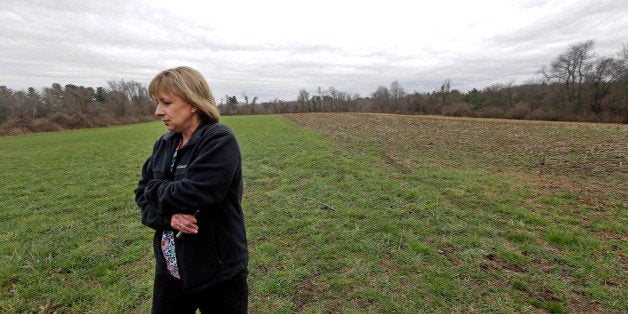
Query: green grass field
x: 331, y: 228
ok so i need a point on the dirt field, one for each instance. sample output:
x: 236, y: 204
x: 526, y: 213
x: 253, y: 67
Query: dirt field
x: 583, y: 159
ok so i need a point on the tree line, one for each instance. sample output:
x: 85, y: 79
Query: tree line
x: 576, y: 86
x: 73, y: 107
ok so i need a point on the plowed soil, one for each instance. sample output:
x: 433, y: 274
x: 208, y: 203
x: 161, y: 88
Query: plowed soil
x: 585, y: 159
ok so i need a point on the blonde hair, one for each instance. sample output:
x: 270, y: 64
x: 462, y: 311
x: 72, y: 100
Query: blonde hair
x: 190, y: 85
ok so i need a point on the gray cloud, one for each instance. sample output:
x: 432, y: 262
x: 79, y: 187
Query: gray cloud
x: 92, y: 42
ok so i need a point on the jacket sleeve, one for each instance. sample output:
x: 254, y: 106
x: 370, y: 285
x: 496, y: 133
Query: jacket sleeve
x: 150, y: 218
x: 207, y: 179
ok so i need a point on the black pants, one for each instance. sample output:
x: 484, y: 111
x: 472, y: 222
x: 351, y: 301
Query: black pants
x: 230, y: 296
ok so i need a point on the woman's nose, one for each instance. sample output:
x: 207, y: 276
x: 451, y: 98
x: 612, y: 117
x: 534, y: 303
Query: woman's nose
x: 159, y: 110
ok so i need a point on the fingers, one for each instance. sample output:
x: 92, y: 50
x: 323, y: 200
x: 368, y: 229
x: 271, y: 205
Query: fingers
x: 190, y: 219
x: 187, y: 228
x: 184, y: 223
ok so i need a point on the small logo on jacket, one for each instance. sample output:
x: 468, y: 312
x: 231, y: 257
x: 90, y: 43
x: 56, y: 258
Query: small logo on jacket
x: 181, y: 166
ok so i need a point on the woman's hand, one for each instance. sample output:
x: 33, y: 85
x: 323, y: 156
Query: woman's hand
x: 184, y: 223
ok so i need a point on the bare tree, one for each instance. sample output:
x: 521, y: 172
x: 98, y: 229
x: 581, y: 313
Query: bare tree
x: 381, y: 98
x: 571, y: 69
x: 136, y: 93
x: 622, y: 61
x: 354, y: 104
x: 332, y: 98
x: 6, y: 94
x: 118, y: 103
x: 35, y: 104
x: 322, y: 97
x: 53, y: 96
x: 605, y: 73
x: 445, y: 91
x: 78, y: 98
x: 397, y: 94
x: 304, y: 100
x: 251, y: 105
x: 15, y: 105
x: 279, y: 106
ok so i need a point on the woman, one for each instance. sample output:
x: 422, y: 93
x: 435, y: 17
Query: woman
x: 190, y: 193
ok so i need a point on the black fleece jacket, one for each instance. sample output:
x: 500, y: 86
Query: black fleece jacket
x: 208, y: 178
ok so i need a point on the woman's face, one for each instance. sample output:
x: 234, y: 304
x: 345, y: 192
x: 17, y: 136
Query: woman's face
x: 176, y: 114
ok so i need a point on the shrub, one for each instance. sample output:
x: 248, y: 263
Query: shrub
x: 491, y: 112
x: 459, y: 110
x: 71, y: 120
x: 45, y: 125
x: 519, y: 111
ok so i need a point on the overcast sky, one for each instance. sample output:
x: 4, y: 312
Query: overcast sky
x: 271, y: 49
